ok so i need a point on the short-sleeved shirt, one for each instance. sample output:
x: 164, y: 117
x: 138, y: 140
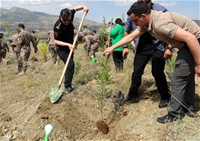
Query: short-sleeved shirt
x: 64, y: 33
x: 164, y: 26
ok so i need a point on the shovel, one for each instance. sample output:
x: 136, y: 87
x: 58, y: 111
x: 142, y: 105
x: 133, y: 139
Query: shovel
x: 55, y: 93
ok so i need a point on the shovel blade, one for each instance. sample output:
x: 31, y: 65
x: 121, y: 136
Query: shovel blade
x: 55, y: 94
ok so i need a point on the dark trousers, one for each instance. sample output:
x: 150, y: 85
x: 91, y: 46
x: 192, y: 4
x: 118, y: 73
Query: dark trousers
x: 183, y: 82
x: 70, y: 68
x: 158, y: 63
x: 118, y: 60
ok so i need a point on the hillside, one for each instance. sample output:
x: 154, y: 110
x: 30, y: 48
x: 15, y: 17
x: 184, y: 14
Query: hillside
x: 26, y: 109
x: 38, y: 20
x: 35, y: 20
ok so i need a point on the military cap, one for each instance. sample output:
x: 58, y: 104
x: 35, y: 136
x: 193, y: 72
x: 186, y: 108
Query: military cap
x: 21, y: 25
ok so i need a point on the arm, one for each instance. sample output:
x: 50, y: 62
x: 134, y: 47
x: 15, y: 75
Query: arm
x: 127, y: 39
x: 78, y: 8
x: 61, y: 43
x: 33, y: 41
x: 192, y: 44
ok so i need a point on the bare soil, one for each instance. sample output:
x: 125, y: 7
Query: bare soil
x: 25, y: 108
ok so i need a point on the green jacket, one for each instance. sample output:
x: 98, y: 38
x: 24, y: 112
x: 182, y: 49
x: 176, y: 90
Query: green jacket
x: 117, y: 33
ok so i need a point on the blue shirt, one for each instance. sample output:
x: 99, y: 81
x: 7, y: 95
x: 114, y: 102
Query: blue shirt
x: 130, y: 26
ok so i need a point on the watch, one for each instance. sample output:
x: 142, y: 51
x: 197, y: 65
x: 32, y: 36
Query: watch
x: 125, y: 46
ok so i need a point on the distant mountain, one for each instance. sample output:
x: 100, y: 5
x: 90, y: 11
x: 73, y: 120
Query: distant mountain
x: 36, y: 20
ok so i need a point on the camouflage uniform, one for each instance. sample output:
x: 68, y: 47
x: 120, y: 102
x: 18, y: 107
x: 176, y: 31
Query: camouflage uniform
x: 3, y: 49
x: 86, y: 31
x: 17, y: 50
x: 95, y: 45
x: 35, y: 38
x: 24, y: 39
x: 52, y: 48
x: 92, y: 43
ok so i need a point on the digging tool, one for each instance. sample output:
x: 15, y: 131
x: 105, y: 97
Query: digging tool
x: 56, y: 93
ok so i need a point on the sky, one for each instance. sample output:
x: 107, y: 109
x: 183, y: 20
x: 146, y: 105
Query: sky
x: 99, y: 9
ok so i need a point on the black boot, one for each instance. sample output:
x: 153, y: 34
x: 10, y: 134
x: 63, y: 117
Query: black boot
x: 166, y: 119
x: 132, y: 99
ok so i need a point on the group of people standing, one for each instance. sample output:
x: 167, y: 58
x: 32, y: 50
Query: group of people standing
x: 178, y: 32
x: 155, y: 31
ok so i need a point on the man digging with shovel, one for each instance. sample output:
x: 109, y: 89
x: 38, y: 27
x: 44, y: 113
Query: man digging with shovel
x: 65, y: 44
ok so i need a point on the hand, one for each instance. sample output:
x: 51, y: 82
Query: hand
x: 12, y: 44
x: 125, y: 51
x: 197, y: 70
x: 167, y: 54
x: 133, y: 44
x: 85, y: 9
x: 108, y: 51
x: 36, y: 50
x: 71, y: 46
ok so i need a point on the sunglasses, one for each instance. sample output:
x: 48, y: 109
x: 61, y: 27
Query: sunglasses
x: 135, y: 21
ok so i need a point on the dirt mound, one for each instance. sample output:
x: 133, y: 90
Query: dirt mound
x: 26, y: 109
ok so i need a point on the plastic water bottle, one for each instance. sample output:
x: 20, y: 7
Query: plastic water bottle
x: 93, y: 59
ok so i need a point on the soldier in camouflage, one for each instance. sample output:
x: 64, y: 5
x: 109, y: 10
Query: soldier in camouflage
x: 86, y: 31
x: 52, y: 48
x: 24, y: 39
x: 3, y: 48
x: 16, y: 50
x: 95, y: 45
x: 92, y: 44
x: 35, y: 37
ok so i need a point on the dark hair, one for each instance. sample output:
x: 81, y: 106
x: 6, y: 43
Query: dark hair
x: 80, y: 38
x: 139, y: 8
x: 94, y: 31
x: 33, y: 31
x: 1, y: 35
x: 84, y: 26
x: 146, y: 1
x: 110, y: 23
x: 119, y: 21
x: 65, y: 13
